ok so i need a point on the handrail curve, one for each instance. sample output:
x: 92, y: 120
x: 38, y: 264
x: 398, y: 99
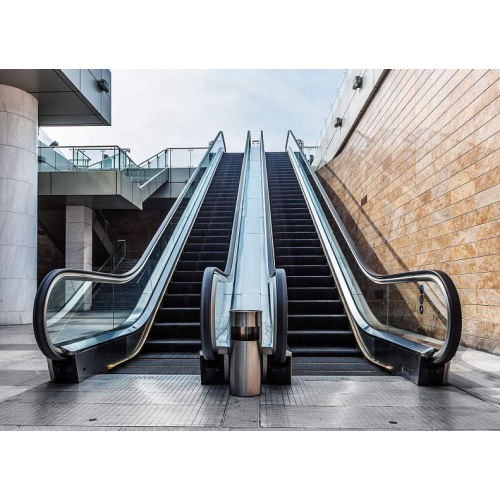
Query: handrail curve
x: 50, y: 280
x: 445, y: 283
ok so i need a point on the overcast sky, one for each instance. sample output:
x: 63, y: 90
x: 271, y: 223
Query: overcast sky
x: 155, y: 109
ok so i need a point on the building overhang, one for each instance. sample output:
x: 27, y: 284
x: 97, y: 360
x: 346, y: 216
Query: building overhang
x: 66, y: 97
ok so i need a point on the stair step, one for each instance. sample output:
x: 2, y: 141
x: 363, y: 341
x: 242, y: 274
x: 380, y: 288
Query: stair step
x: 185, y: 345
x: 318, y: 322
x: 181, y: 300
x: 325, y: 351
x: 321, y: 338
x: 200, y: 265
x: 310, y: 281
x: 315, y: 306
x: 178, y: 314
x: 306, y: 270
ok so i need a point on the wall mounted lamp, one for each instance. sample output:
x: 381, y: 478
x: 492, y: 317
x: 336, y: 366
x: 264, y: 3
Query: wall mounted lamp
x: 103, y: 85
x: 357, y: 83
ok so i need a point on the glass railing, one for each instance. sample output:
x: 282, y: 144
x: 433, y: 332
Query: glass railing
x: 106, y: 158
x: 71, y: 158
x: 170, y: 158
x: 75, y: 310
x: 333, y: 106
x: 419, y: 310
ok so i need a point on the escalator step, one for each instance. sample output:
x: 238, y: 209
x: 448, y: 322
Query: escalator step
x: 319, y: 270
x: 199, y: 265
x: 321, y: 338
x: 315, y: 306
x: 317, y: 293
x: 181, y: 300
x: 175, y: 330
x: 310, y: 281
x: 318, y: 322
x: 325, y: 351
x: 184, y: 287
x: 184, y: 345
x: 178, y: 315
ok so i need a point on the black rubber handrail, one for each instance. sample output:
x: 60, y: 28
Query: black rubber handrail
x: 207, y: 305
x: 281, y: 312
x: 40, y: 305
x: 445, y: 283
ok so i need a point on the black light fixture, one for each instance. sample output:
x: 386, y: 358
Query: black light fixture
x: 357, y: 83
x: 338, y: 122
x: 54, y: 144
x: 103, y: 85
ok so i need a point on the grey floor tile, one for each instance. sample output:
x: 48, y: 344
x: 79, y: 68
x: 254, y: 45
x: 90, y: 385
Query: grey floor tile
x: 38, y: 428
x: 20, y: 347
x: 115, y: 415
x: 23, y: 377
x: 29, y: 364
x: 11, y: 356
x: 242, y: 412
x: 9, y: 391
x: 416, y: 418
x: 179, y: 428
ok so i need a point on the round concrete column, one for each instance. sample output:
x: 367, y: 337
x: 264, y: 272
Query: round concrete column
x: 18, y: 204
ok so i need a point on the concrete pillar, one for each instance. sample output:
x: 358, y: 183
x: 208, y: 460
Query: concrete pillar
x: 79, y: 243
x: 18, y: 205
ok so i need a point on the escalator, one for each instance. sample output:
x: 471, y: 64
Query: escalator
x: 90, y: 322
x: 339, y: 309
x: 319, y: 299
x: 319, y: 333
x: 174, y: 340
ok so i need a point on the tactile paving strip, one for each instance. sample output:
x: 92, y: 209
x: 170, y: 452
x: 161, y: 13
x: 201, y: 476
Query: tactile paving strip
x: 370, y: 403
x: 354, y: 393
x: 120, y: 400
x: 412, y: 418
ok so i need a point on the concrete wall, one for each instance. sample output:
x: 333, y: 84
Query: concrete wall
x: 418, y: 185
x: 18, y: 204
x: 49, y: 256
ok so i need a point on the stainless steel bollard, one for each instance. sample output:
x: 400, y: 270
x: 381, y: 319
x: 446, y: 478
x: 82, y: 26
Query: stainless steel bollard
x: 245, y: 357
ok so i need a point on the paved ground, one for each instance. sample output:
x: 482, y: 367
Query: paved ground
x: 28, y: 401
